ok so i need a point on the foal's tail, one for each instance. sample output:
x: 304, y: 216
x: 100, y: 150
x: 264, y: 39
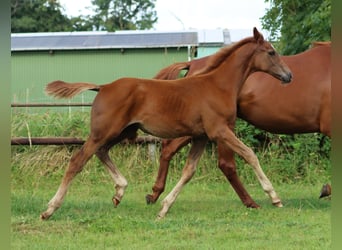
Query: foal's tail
x: 60, y: 89
x: 171, y: 72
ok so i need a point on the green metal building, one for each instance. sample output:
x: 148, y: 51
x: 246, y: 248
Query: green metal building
x: 98, y: 57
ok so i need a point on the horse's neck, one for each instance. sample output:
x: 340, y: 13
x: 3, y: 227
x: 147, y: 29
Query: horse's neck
x: 234, y: 70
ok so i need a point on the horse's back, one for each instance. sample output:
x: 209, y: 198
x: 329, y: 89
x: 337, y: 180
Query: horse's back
x: 150, y: 102
x: 298, y: 107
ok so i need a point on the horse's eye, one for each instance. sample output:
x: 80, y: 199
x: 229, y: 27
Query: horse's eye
x: 271, y: 53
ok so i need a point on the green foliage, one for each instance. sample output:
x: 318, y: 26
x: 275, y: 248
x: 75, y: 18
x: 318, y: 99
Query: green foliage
x: 284, y: 158
x: 114, y: 15
x: 50, y: 124
x: 109, y: 15
x: 295, y: 24
x: 288, y: 158
x: 38, y: 16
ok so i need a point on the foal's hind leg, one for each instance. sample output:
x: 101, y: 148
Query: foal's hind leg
x: 168, y: 150
x: 119, y: 180
x: 76, y: 164
x: 195, y: 153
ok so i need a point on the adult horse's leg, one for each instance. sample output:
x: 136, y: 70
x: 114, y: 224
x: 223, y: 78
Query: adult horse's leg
x: 195, y: 153
x: 76, y: 164
x: 168, y: 149
x: 228, y: 167
x: 226, y: 164
x: 227, y: 138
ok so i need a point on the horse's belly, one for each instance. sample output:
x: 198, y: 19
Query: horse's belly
x: 283, y: 123
x: 170, y: 129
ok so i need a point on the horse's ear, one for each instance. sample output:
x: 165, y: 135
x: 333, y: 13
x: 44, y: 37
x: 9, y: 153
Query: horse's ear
x: 258, y: 36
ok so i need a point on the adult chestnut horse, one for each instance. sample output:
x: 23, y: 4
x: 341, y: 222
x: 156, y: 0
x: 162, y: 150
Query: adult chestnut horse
x: 200, y: 106
x: 301, y: 107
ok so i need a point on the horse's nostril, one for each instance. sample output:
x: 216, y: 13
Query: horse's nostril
x: 287, y: 78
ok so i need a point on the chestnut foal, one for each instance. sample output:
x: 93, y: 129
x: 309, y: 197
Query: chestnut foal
x: 201, y: 106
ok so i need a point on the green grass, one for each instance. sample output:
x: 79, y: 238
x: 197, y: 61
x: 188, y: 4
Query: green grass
x: 207, y: 214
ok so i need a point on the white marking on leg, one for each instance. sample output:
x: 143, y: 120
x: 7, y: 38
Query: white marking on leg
x: 76, y: 164
x: 188, y: 171
x: 120, y: 181
x: 241, y: 149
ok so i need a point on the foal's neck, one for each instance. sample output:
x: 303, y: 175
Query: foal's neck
x: 235, y: 69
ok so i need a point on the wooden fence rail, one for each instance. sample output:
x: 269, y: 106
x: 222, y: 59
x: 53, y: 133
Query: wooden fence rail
x: 33, y: 105
x: 21, y: 141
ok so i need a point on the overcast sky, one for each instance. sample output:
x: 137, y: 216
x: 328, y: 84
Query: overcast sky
x: 195, y: 14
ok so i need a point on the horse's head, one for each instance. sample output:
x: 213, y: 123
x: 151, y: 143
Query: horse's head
x: 266, y: 59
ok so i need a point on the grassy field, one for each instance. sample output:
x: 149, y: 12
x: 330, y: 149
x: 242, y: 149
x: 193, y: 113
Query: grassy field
x: 207, y: 214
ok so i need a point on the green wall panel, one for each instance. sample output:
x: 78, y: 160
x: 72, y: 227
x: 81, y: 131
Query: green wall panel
x: 32, y: 70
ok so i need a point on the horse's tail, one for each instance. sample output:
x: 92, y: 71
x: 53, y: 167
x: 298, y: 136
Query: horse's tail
x: 60, y: 89
x: 172, y: 72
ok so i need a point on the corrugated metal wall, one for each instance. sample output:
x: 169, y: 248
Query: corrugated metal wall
x: 206, y: 51
x: 31, y: 71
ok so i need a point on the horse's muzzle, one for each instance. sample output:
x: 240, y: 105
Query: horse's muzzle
x: 286, y: 78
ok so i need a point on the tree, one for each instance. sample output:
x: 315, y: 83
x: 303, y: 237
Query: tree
x: 38, y: 16
x: 114, y: 15
x: 110, y: 15
x: 295, y: 24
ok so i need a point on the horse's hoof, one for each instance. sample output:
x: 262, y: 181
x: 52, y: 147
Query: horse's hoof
x: 278, y: 204
x: 44, y: 216
x: 149, y: 199
x: 325, y: 191
x: 160, y: 217
x: 252, y: 205
x: 116, y: 202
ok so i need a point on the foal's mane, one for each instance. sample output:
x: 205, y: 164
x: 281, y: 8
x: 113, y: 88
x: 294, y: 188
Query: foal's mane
x: 216, y: 59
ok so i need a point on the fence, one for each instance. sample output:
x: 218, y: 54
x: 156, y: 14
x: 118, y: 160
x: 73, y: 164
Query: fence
x: 66, y: 140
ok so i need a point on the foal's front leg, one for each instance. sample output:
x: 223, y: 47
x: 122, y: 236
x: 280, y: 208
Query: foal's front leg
x: 195, y: 153
x: 228, y: 167
x: 226, y: 137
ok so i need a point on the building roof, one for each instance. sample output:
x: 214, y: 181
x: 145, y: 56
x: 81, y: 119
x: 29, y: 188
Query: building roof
x: 117, y: 40
x: 101, y: 40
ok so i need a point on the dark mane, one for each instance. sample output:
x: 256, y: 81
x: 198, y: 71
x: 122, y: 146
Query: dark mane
x: 216, y: 59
